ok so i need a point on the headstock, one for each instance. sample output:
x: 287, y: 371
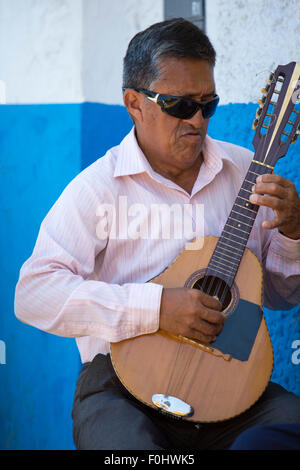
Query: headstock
x: 277, y: 120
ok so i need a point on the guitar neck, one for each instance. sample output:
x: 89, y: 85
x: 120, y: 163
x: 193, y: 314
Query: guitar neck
x: 231, y: 245
x: 277, y: 125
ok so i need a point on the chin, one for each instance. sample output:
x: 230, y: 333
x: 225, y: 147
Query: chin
x: 190, y: 156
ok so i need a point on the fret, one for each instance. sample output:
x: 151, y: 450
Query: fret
x: 226, y: 244
x: 257, y: 174
x: 245, y: 207
x: 215, y: 271
x: 243, y: 189
x: 223, y: 254
x: 260, y: 167
x: 243, y: 199
x: 237, y: 228
x: 240, y: 221
x: 243, y: 215
x: 234, y: 235
x: 220, y: 267
x: 230, y: 239
x: 231, y: 245
x: 251, y: 182
x: 215, y: 256
x: 262, y: 163
x: 222, y: 273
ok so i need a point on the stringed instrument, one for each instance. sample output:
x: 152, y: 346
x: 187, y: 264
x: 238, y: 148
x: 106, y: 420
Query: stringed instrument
x: 207, y: 383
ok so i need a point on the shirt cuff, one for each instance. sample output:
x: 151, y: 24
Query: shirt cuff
x: 144, y: 304
x: 284, y: 246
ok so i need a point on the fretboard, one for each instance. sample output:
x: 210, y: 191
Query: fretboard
x: 231, y: 245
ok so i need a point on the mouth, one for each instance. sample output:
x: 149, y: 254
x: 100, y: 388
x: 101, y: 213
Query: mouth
x: 192, y: 137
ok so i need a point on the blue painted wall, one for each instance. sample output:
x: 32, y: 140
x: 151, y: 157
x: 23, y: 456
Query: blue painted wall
x: 39, y: 154
x: 42, y: 147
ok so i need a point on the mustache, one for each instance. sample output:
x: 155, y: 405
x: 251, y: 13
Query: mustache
x: 192, y: 131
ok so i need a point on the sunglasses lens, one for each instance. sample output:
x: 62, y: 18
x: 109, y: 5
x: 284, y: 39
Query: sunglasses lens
x: 209, y: 109
x: 185, y: 109
x: 179, y: 108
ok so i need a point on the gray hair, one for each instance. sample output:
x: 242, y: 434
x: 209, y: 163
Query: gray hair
x: 176, y: 38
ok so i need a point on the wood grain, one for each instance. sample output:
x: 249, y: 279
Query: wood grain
x: 215, y: 388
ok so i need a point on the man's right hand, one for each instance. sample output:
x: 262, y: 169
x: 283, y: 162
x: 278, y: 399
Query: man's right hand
x: 191, y: 313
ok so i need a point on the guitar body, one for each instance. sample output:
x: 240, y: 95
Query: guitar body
x: 220, y: 381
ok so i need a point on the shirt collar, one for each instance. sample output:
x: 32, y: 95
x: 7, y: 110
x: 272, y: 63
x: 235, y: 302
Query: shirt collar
x: 214, y: 154
x: 131, y: 159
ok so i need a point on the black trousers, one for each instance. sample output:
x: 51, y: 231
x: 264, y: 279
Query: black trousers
x: 106, y: 417
x: 269, y: 437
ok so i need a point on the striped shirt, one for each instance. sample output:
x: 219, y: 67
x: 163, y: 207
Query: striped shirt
x: 119, y: 224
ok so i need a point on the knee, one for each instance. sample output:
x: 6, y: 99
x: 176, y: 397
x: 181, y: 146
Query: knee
x: 288, y: 409
x: 253, y: 438
x: 272, y: 437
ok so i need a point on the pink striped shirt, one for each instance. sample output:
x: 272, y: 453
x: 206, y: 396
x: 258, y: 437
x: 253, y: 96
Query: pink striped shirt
x: 101, y: 242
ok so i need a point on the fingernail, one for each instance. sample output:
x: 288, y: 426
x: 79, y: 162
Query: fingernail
x: 253, y: 198
x: 253, y: 188
x: 259, y: 179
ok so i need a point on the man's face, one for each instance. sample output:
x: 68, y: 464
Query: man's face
x: 169, y: 142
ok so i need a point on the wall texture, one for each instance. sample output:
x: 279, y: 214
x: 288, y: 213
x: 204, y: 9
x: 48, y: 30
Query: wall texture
x: 251, y: 38
x: 61, y: 61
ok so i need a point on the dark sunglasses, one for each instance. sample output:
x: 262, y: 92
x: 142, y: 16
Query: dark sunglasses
x: 182, y: 108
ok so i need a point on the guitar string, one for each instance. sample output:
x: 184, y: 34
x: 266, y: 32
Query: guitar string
x: 174, y: 366
x: 216, y: 292
x: 179, y: 380
x: 182, y: 377
x: 265, y: 169
x: 219, y: 285
x: 214, y: 288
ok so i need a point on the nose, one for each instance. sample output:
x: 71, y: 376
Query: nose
x: 196, y: 120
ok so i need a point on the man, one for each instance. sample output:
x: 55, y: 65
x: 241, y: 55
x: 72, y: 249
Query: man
x: 87, y: 277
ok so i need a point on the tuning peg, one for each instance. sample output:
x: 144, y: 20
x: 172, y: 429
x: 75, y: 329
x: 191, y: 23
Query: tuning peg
x: 266, y: 89
x: 262, y: 100
x: 255, y: 123
x: 271, y: 77
x: 295, y: 136
x: 258, y: 112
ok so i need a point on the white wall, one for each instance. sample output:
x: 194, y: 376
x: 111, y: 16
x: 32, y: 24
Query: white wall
x: 68, y: 51
x: 41, y: 50
x: 108, y: 26
x: 251, y: 38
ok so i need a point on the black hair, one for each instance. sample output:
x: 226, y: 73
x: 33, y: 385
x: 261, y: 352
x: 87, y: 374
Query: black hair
x: 176, y: 38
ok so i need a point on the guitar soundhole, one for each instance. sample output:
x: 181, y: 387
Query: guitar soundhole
x: 214, y: 286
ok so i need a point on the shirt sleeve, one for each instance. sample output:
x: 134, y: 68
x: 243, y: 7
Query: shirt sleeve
x: 281, y: 263
x: 58, y: 289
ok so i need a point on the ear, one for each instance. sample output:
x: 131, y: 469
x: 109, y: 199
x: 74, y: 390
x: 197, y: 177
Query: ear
x: 133, y: 101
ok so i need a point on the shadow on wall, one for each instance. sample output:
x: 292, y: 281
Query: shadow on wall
x: 42, y: 148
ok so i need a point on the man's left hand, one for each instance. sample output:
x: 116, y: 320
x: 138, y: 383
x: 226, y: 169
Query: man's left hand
x: 281, y: 195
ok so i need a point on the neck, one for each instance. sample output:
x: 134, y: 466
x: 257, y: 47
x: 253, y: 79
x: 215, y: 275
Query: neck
x: 185, y: 178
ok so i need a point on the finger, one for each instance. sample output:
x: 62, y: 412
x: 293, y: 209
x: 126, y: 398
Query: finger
x: 273, y: 202
x: 274, y: 223
x: 271, y: 188
x: 211, y: 316
x: 204, y: 327
x: 273, y: 178
x: 210, y: 301
x: 202, y: 337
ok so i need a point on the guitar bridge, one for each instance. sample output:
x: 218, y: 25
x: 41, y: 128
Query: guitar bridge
x: 204, y: 347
